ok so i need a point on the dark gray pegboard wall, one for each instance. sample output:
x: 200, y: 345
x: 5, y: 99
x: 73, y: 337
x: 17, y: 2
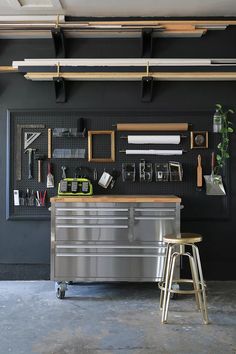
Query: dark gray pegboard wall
x: 201, y: 205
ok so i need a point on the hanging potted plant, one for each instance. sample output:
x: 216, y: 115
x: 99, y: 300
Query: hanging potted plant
x: 214, y: 184
x: 223, y: 146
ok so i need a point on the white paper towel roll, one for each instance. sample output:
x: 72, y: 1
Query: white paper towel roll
x: 153, y: 139
x: 154, y: 152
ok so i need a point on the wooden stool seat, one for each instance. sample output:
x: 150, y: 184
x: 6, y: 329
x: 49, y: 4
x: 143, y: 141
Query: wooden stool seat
x: 183, y: 238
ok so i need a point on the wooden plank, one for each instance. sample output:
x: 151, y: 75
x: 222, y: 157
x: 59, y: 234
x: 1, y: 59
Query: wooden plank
x: 49, y: 143
x: 115, y: 24
x: 152, y: 126
x: 118, y: 198
x: 114, y: 76
x: 7, y: 69
x: 160, y: 22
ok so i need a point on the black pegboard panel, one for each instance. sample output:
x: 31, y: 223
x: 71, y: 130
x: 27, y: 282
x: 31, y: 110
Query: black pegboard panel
x: 197, y: 204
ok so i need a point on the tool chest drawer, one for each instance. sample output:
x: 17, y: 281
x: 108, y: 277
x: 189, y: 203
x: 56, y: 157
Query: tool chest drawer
x: 92, y: 222
x: 113, y: 233
x: 95, y: 267
x: 152, y: 223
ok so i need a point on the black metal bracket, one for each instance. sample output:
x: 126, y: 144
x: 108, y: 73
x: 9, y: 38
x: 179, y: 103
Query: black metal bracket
x: 147, y: 86
x: 60, y: 89
x: 59, y: 42
x: 146, y: 42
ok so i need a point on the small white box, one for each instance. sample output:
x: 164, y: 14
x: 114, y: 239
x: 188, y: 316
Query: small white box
x: 16, y: 197
x: 105, y: 180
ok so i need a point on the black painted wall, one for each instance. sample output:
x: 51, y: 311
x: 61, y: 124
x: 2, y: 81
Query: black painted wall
x: 25, y: 245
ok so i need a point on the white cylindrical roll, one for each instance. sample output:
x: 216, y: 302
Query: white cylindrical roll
x: 153, y: 139
x: 154, y: 152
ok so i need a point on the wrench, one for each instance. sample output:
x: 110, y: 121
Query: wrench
x: 64, y: 168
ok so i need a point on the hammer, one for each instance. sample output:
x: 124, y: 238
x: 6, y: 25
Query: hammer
x: 30, y: 162
x: 40, y: 159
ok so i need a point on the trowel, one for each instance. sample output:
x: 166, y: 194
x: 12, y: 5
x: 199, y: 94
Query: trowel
x: 214, y: 183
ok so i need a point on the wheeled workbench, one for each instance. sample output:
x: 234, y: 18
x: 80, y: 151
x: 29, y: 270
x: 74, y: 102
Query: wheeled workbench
x: 110, y: 238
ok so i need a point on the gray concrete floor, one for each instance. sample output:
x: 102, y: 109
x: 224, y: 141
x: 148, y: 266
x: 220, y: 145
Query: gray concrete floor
x: 112, y: 318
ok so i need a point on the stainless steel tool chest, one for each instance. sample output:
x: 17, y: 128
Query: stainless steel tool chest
x: 110, y: 241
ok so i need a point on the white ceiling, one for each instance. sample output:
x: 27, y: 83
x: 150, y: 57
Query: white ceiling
x: 122, y: 8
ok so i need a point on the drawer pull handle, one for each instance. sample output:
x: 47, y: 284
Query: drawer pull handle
x: 112, y: 247
x: 109, y: 255
x: 92, y: 218
x: 154, y: 218
x: 92, y: 226
x: 157, y: 209
x: 90, y: 209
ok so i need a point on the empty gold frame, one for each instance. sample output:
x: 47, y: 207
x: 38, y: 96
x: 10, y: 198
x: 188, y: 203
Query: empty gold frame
x: 91, y: 133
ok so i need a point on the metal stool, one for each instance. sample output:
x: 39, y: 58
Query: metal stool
x: 176, y: 248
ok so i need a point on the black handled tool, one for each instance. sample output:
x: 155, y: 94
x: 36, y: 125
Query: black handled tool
x: 30, y: 162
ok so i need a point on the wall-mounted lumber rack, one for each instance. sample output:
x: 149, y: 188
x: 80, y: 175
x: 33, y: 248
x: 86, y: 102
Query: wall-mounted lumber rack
x: 144, y: 70
x: 127, y: 69
x: 41, y: 27
x: 60, y: 28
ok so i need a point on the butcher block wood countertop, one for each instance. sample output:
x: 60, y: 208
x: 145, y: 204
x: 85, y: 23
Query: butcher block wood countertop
x: 118, y: 199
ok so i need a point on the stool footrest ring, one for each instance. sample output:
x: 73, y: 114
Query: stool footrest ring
x: 161, y: 286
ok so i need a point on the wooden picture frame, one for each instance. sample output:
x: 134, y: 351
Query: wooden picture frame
x: 199, y: 140
x: 91, y: 133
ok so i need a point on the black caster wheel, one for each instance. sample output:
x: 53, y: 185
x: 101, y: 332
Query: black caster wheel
x: 60, y: 293
x: 173, y: 296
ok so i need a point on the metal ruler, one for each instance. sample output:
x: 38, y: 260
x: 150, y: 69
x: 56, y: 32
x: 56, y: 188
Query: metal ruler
x: 19, y: 128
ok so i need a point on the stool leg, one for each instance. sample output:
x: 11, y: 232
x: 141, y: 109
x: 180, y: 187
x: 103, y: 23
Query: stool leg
x: 203, y: 290
x: 167, y: 275
x: 167, y: 292
x: 195, y: 281
x: 165, y: 272
x: 196, y: 286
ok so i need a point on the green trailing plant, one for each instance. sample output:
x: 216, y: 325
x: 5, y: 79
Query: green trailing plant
x: 223, y: 146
